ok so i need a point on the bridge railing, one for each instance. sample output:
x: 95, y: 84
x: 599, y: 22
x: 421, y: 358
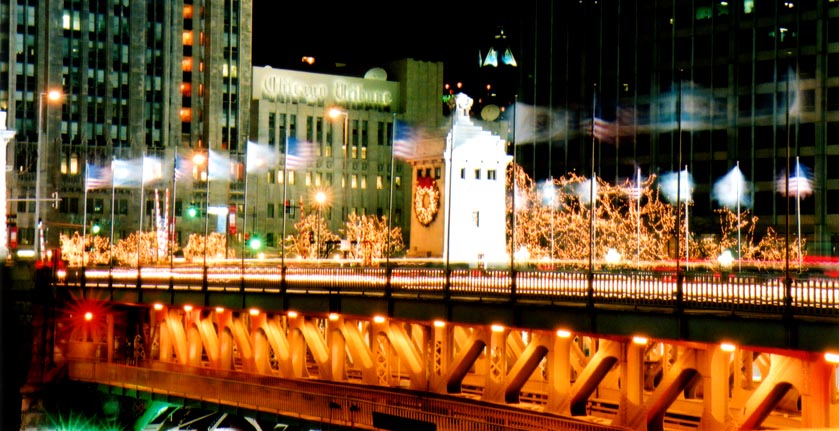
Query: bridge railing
x: 769, y: 293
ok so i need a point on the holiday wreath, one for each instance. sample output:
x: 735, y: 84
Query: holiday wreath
x: 426, y: 200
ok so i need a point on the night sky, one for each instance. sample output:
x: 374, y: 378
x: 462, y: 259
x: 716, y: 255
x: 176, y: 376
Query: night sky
x: 369, y: 34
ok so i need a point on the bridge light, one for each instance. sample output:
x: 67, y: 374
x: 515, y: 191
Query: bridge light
x: 379, y: 319
x: 727, y: 347
x: 439, y: 323
x: 831, y: 357
x: 497, y: 328
x: 254, y: 312
x: 187, y: 308
x: 640, y: 340
x: 334, y: 316
x: 157, y: 306
x: 292, y: 314
x: 219, y: 309
x: 563, y: 333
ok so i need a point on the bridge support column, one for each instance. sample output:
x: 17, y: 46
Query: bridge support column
x: 441, y: 356
x: 337, y: 348
x: 632, y: 369
x: 715, y: 370
x: 497, y: 365
x: 816, y: 394
x: 559, y: 370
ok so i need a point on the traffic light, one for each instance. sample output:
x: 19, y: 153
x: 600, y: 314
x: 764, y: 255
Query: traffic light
x: 95, y: 228
x: 255, y: 243
x: 192, y: 211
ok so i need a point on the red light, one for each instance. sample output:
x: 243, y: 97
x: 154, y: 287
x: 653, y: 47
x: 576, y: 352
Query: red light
x: 88, y: 316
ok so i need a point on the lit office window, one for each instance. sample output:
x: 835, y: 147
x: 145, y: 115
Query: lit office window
x: 379, y: 182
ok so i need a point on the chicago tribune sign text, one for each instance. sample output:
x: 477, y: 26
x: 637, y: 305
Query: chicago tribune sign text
x: 288, y: 89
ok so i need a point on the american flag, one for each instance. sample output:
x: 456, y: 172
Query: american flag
x: 299, y: 153
x: 97, y: 177
x: 404, y: 140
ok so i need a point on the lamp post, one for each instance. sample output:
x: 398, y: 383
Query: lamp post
x: 43, y: 99
x: 320, y: 199
x: 5, y: 137
x: 200, y: 159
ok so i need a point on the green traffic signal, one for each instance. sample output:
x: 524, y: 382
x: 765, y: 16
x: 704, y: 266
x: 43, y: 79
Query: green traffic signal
x: 95, y: 229
x: 192, y: 212
x: 255, y: 243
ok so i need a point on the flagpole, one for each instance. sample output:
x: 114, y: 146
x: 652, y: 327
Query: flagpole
x: 638, y: 235
x: 142, y: 212
x: 687, y: 230
x: 286, y: 203
x: 739, y: 245
x: 206, y: 219
x: 111, y: 238
x: 591, y: 192
x: 245, y: 216
x: 798, y: 207
x: 390, y: 199
x: 170, y: 226
x: 84, y: 217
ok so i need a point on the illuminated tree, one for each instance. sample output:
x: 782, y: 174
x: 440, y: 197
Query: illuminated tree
x: 216, y: 247
x: 555, y: 222
x: 94, y: 250
x: 768, y: 252
x: 303, y: 244
x: 371, y: 238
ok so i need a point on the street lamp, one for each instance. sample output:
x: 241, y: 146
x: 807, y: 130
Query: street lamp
x: 320, y: 199
x: 200, y: 159
x: 43, y: 99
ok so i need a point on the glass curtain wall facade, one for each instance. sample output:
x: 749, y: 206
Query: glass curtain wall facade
x: 703, y: 85
x: 136, y: 78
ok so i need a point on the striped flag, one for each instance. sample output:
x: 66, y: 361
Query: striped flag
x: 604, y: 130
x: 97, y: 177
x: 299, y: 153
x: 404, y: 140
x: 183, y: 168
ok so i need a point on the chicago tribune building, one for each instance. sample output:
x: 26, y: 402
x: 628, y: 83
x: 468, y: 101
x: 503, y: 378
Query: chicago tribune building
x: 85, y: 83
x: 704, y: 86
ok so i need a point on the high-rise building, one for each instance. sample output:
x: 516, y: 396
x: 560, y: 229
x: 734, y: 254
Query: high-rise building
x: 707, y: 86
x: 135, y: 78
